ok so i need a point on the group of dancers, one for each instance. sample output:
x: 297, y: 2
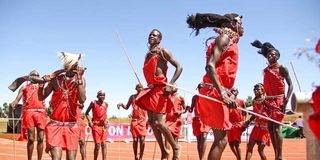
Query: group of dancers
x: 217, y: 108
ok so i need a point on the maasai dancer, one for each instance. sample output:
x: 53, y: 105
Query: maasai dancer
x: 273, y: 82
x: 200, y: 130
x: 138, y: 125
x: 98, y: 123
x: 33, y: 115
x: 259, y: 133
x: 221, y: 68
x: 155, y: 98
x: 173, y: 117
x: 82, y: 135
x: 62, y: 132
x: 236, y: 118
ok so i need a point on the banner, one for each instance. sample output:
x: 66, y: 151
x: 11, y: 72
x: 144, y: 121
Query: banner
x: 121, y: 132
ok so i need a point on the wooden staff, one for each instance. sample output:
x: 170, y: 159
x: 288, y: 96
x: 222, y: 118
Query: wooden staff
x: 295, y: 76
x: 14, y: 136
x: 126, y: 54
x: 242, y: 109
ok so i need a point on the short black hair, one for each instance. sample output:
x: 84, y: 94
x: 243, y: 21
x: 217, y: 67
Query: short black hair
x: 160, y: 34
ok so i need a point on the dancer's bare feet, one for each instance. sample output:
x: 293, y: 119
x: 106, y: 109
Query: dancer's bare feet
x: 165, y: 155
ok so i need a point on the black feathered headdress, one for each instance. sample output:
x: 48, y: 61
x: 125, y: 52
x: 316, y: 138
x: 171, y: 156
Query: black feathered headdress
x: 264, y: 48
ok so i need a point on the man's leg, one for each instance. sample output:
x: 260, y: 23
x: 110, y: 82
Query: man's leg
x: 250, y: 149
x: 279, y: 140
x: 96, y: 151
x: 40, y: 142
x: 30, y: 144
x: 158, y: 122
x: 237, y: 149
x: 71, y: 155
x: 203, y: 144
x: 219, y: 144
x: 272, y: 137
x: 104, y: 150
x: 82, y: 145
x: 135, y: 147
x: 261, y: 152
x: 56, y: 153
x: 199, y: 146
x: 142, y: 145
x: 152, y: 118
x: 233, y: 149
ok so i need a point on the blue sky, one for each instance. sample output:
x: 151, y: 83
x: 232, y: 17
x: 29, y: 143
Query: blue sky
x: 33, y: 32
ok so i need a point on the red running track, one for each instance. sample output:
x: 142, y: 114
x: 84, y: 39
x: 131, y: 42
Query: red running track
x: 293, y: 149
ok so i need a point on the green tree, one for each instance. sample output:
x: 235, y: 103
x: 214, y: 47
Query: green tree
x: 4, y: 110
x: 248, y: 102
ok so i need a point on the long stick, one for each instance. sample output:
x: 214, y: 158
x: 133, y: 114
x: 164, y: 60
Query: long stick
x: 242, y: 109
x: 154, y: 149
x: 295, y: 76
x: 126, y: 53
x: 119, y: 134
x: 14, y: 136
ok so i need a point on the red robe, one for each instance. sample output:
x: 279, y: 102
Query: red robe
x: 318, y: 47
x: 138, y: 126
x: 81, y: 124
x: 34, y: 113
x: 197, y: 126
x: 62, y: 131
x: 236, y: 118
x: 173, y: 117
x: 260, y: 131
x: 215, y: 114
x: 273, y: 83
x: 153, y: 98
x: 314, y: 119
x: 99, y: 119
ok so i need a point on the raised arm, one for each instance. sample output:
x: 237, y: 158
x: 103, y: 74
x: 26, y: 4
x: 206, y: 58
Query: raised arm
x: 82, y: 91
x: 18, y: 98
x: 284, y: 71
x: 43, y: 93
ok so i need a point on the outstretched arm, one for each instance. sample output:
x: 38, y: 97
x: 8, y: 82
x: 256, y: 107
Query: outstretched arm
x: 18, y: 98
x: 284, y: 71
x: 126, y: 107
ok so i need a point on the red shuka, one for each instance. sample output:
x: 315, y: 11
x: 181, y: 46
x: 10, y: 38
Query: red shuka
x: 215, y: 114
x: 236, y: 117
x: 99, y: 118
x: 273, y: 83
x: 197, y: 126
x: 153, y: 98
x: 99, y: 113
x: 173, y: 117
x: 34, y: 114
x: 64, y: 109
x: 64, y: 100
x: 30, y: 98
x: 260, y: 130
x: 314, y: 119
x: 138, y: 125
